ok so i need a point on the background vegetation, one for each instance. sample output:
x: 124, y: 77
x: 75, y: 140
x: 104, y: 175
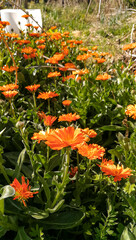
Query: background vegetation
x: 89, y: 205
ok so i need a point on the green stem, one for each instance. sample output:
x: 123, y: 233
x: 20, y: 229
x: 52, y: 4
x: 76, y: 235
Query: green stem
x: 67, y: 109
x: 63, y: 184
x: 48, y: 153
x: 78, y: 161
x: 55, y: 108
x: 26, y: 144
x: 55, y: 83
x: 4, y: 174
x: 46, y: 189
x: 49, y: 108
x: 115, y: 193
x: 34, y: 100
x: 12, y: 109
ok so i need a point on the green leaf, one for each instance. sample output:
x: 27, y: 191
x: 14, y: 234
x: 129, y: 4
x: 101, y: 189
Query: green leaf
x: 54, y: 161
x: 21, y: 235
x: 8, y: 191
x: 115, y: 153
x: 2, y: 231
x: 2, y: 131
x: 2, y: 206
x: 39, y: 158
x: 36, y: 213
x: 21, y: 78
x: 127, y: 235
x: 57, y: 207
x: 113, y: 128
x: 112, y: 101
x: 129, y: 187
x: 20, y: 161
x: 68, y: 218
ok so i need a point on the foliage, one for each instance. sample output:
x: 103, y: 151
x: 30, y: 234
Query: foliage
x: 50, y: 187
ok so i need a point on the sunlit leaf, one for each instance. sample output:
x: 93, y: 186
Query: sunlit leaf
x: 8, y: 191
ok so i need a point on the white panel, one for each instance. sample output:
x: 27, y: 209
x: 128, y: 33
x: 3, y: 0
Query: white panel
x: 14, y: 17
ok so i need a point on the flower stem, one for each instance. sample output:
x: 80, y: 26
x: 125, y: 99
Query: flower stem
x: 49, y: 108
x: 4, y: 173
x: 115, y: 193
x: 27, y: 147
x: 34, y: 100
x: 63, y: 184
x: 12, y: 108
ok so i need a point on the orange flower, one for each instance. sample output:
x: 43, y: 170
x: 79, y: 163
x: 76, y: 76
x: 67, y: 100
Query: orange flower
x: 68, y: 117
x: 67, y: 66
x: 103, y: 77
x: 54, y: 74
x: 22, y: 191
x: 66, y: 34
x: 91, y: 151
x: 53, y: 27
x: 66, y: 102
x: 122, y: 66
x: 70, y: 65
x: 89, y: 132
x: 40, y: 41
x: 10, y: 94
x: 41, y: 115
x: 83, y: 49
x: 71, y: 41
x: 32, y: 55
x: 33, y: 88
x: 49, y: 120
x: 95, y: 54
x: 129, y: 46
x: 78, y: 42
x: 104, y: 54
x: 9, y: 69
x: 73, y: 171
x: 1, y: 26
x: 25, y: 16
x: 81, y: 72
x: 63, y: 43
x: 28, y: 50
x: 131, y: 111
x: 23, y: 41
x: 56, y: 36
x: 8, y: 87
x: 65, y: 51
x: 118, y: 172
x: 57, y: 57
x: 44, y: 34
x: 41, y: 46
x: 72, y: 76
x: 94, y: 48
x: 64, y: 137
x: 34, y: 34
x: 52, y: 60
x: 36, y: 27
x: 41, y: 136
x: 72, y: 45
x: 100, y: 60
x: 12, y: 35
x: 4, y: 23
x: 46, y: 95
x: 28, y: 25
x: 63, y: 69
x: 83, y: 57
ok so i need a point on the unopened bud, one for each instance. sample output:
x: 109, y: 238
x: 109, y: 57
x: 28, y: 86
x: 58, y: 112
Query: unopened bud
x: 20, y: 124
